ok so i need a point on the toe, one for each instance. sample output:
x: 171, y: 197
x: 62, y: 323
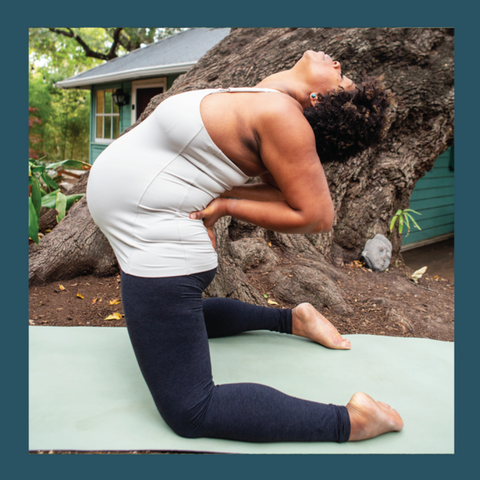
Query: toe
x: 343, y: 343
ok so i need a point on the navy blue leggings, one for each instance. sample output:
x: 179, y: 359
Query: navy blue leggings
x: 169, y: 325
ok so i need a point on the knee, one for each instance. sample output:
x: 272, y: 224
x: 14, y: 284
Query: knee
x: 184, y: 406
x: 185, y: 422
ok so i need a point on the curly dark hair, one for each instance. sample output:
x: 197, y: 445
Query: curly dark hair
x: 348, y: 122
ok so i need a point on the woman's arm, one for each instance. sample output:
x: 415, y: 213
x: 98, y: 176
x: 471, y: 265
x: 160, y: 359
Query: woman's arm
x: 277, y: 216
x: 261, y: 192
x: 287, y: 149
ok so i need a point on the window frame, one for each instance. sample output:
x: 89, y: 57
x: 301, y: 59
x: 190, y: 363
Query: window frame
x: 112, y: 115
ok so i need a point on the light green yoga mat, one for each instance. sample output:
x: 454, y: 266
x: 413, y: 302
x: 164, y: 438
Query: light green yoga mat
x: 87, y: 393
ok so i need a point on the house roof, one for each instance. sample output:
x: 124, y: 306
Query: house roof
x: 175, y: 54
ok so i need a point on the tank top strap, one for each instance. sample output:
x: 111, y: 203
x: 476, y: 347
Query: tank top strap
x: 247, y: 89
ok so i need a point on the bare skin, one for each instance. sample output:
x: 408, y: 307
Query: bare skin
x: 369, y: 418
x: 309, y: 323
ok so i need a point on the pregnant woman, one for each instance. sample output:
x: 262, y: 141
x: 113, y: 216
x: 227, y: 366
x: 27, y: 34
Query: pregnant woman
x: 156, y: 193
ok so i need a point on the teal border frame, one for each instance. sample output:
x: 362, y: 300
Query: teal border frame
x: 16, y: 463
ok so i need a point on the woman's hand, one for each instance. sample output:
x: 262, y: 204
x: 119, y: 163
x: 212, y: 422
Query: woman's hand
x: 211, y: 236
x: 215, y: 209
x: 210, y: 214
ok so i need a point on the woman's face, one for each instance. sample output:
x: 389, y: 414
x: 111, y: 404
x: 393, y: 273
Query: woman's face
x: 322, y: 73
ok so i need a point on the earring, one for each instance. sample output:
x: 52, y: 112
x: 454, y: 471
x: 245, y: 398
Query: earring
x: 313, y: 95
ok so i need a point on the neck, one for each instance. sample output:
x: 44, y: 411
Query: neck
x: 286, y: 82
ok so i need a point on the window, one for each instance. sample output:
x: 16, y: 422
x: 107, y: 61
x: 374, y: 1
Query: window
x: 107, y: 117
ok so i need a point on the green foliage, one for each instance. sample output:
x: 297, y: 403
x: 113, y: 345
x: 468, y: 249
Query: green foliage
x: 61, y: 56
x: 33, y: 138
x: 61, y: 119
x: 404, y: 218
x: 45, y: 192
x: 64, y: 115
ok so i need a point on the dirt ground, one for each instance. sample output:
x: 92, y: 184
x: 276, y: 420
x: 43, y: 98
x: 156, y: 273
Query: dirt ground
x: 391, y: 305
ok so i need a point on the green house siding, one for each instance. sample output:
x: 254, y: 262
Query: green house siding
x: 125, y: 112
x: 171, y: 78
x: 433, y: 197
x: 97, y: 148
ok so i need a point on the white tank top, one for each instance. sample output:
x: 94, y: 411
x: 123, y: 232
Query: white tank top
x: 143, y: 187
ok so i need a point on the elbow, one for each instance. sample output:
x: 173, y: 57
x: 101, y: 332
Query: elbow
x: 322, y: 227
x: 323, y: 222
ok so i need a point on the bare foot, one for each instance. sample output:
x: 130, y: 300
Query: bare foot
x: 308, y: 322
x: 369, y: 418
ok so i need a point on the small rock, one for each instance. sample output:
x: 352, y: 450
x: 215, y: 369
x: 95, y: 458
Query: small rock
x: 377, y: 253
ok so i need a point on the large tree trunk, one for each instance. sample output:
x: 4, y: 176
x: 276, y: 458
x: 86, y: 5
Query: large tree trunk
x: 417, y: 65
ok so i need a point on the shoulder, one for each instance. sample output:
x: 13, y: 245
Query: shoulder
x: 279, y: 115
x: 277, y: 104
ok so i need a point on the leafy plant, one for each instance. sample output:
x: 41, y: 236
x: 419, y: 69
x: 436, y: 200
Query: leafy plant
x: 43, y: 191
x: 404, y: 218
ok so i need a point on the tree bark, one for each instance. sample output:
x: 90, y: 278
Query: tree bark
x: 417, y: 65
x: 75, y: 247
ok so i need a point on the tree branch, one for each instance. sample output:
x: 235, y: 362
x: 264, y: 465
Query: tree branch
x: 88, y: 51
x: 116, y: 42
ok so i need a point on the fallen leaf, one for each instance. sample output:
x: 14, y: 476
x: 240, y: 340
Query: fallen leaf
x: 74, y: 285
x: 265, y: 295
x: 61, y: 287
x: 114, y: 302
x: 94, y: 300
x: 272, y: 302
x: 415, y: 276
x: 79, y: 295
x: 114, y: 316
x: 269, y: 244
